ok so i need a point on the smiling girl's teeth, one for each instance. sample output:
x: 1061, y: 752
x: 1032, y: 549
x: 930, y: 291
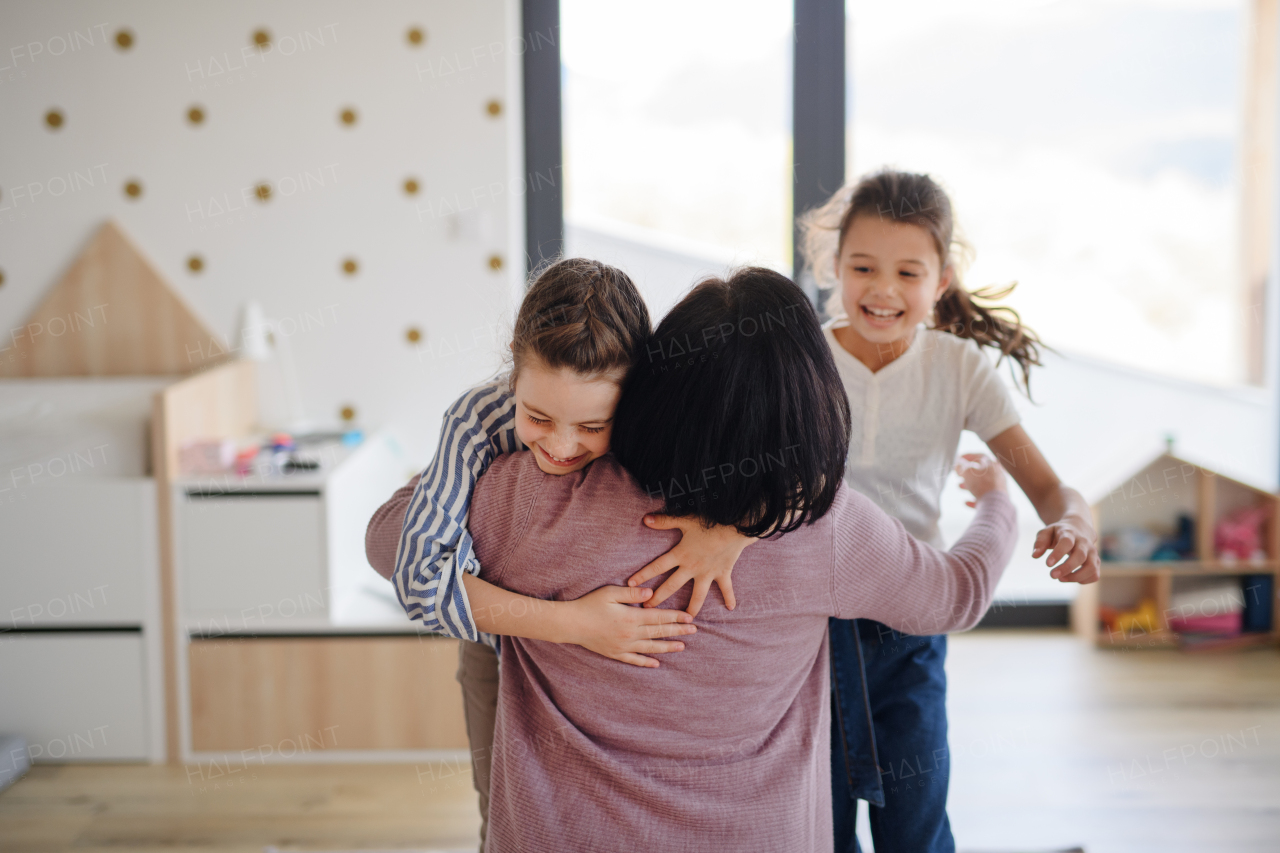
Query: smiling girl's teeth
x: 880, y: 312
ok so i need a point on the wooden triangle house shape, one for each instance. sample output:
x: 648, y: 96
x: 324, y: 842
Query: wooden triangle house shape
x: 111, y: 315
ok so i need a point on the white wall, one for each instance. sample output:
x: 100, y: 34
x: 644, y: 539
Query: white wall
x: 274, y: 116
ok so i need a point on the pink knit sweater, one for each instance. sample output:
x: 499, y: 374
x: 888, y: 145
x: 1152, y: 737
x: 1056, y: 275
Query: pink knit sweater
x: 726, y: 745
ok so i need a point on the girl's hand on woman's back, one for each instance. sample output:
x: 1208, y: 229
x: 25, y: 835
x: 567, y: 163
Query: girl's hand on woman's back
x: 703, y: 555
x: 606, y: 623
x: 980, y: 474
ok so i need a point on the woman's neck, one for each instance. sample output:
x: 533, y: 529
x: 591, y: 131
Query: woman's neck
x: 874, y: 355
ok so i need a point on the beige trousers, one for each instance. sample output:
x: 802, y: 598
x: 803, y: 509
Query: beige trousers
x: 478, y: 675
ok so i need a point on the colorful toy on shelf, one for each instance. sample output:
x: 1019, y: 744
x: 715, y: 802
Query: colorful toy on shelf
x: 211, y: 456
x: 1180, y: 546
x: 1129, y: 545
x: 245, y: 459
x: 1145, y: 618
x: 1238, y: 536
x: 1140, y: 545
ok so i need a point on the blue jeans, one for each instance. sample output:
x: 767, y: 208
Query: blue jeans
x: 889, y: 737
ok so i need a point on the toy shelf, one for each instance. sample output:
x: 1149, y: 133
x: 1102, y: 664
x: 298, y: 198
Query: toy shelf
x: 1177, y: 505
x: 1190, y: 568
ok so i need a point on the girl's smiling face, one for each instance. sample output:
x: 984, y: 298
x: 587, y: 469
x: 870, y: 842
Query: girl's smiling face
x: 890, y: 277
x: 565, y: 418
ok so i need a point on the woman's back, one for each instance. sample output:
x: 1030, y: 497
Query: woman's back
x: 725, y: 746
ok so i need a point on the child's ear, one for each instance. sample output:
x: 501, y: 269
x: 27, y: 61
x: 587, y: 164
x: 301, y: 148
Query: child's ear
x: 944, y: 281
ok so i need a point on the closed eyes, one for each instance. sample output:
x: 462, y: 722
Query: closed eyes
x: 544, y: 422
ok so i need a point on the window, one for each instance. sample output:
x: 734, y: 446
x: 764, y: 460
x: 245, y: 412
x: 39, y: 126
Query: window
x: 1093, y: 154
x: 677, y: 130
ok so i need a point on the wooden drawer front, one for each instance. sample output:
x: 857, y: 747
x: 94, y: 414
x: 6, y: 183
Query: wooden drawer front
x: 250, y: 561
x: 325, y: 693
x: 75, y: 696
x: 78, y: 554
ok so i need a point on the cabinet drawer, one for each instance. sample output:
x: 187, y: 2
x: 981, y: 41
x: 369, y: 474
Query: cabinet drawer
x: 253, y: 560
x: 78, y: 554
x: 297, y: 695
x: 75, y: 696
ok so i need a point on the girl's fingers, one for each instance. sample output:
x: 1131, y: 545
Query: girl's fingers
x: 725, y: 582
x: 658, y: 647
x: 660, y: 566
x: 701, y: 586
x: 1090, y: 571
x: 671, y: 629
x: 1044, y: 539
x: 1061, y: 548
x: 632, y: 594
x: 665, y: 522
x: 1079, y: 556
x: 669, y: 587
x: 637, y: 660
x: 660, y: 617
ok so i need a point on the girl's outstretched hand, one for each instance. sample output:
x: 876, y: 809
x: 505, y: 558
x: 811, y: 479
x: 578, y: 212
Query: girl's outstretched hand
x: 702, y: 555
x: 1070, y: 542
x: 979, y: 474
x: 1073, y: 551
x: 604, y: 622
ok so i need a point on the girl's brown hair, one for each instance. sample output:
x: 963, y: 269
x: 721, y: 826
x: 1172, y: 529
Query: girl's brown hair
x: 583, y: 315
x: 918, y: 200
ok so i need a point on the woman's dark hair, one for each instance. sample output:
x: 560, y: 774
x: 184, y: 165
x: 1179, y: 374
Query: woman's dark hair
x: 735, y: 412
x: 583, y: 315
x: 918, y: 200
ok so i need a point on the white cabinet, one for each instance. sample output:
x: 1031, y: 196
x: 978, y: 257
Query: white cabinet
x: 77, y: 695
x: 78, y: 554
x: 250, y: 559
x: 276, y: 553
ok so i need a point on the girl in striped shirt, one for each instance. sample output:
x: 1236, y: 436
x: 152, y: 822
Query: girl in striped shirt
x: 580, y: 327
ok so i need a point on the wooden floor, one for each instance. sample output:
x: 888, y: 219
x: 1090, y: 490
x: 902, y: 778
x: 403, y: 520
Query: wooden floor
x: 1058, y: 744
x: 1055, y: 744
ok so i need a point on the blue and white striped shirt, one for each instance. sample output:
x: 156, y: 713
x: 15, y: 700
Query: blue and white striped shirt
x: 435, y: 545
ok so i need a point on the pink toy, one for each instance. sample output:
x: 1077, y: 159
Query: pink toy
x: 1239, y: 535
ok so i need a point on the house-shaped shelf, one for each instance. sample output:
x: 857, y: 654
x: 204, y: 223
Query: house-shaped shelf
x: 1173, y: 573
x: 111, y: 314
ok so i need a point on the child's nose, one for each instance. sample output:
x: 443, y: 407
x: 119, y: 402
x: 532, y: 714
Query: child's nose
x: 561, y: 445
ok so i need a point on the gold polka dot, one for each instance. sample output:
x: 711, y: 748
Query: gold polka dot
x: 54, y: 119
x: 348, y: 116
x: 410, y: 186
x: 195, y: 263
x: 416, y: 36
x: 495, y: 262
x: 133, y: 189
x: 1, y: 277
x: 263, y: 191
x: 195, y: 115
x: 414, y: 334
x: 261, y: 37
x: 348, y: 413
x: 349, y: 266
x: 124, y: 39
x: 494, y: 108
